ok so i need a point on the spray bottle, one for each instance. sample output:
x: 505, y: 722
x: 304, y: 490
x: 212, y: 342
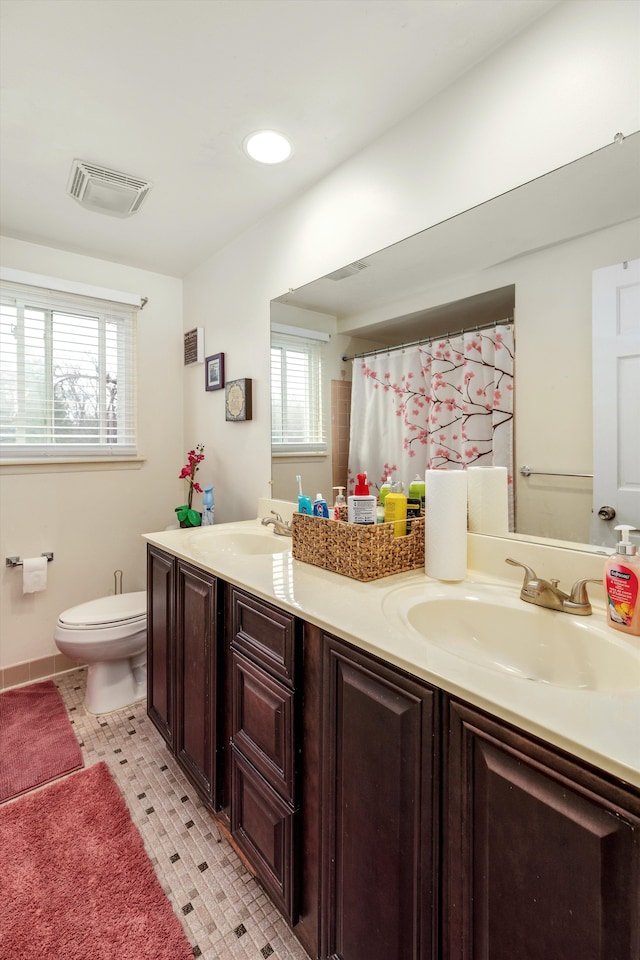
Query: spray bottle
x: 207, y: 507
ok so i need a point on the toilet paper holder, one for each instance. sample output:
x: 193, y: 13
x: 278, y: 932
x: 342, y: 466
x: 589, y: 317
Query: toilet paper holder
x: 17, y: 562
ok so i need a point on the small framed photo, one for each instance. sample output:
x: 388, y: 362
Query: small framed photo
x: 238, y: 400
x: 214, y: 372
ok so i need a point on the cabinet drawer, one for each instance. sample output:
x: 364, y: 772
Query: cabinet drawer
x: 262, y: 825
x: 266, y: 634
x: 262, y: 726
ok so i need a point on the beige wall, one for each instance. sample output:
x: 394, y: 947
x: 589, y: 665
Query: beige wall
x: 92, y: 519
x: 489, y: 132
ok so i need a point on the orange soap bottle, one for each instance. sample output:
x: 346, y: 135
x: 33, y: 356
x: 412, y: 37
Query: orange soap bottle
x: 621, y: 578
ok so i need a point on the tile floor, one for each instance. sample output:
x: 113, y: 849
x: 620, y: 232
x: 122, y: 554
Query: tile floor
x: 224, y: 911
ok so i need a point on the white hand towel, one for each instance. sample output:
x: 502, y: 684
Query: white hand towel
x: 34, y: 574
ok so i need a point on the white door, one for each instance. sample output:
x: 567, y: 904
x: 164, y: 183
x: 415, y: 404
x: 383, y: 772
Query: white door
x: 616, y: 400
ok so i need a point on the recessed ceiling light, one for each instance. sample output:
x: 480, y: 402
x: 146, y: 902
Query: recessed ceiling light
x: 267, y: 146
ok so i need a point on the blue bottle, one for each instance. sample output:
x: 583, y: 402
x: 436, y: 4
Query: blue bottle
x: 207, y: 507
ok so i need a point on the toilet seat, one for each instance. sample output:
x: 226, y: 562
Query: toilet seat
x: 109, y: 635
x: 120, y: 610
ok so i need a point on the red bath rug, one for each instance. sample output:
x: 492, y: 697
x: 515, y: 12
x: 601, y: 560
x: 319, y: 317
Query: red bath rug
x: 37, y: 742
x: 76, y: 882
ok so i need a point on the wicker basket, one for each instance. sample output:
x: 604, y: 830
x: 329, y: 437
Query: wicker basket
x: 360, y: 551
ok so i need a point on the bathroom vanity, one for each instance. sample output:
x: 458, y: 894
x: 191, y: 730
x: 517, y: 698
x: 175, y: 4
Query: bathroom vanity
x: 396, y: 801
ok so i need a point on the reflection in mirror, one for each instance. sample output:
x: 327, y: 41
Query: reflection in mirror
x: 539, y: 245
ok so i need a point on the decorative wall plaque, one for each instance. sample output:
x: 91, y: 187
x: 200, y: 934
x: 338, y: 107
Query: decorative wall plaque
x: 238, y: 401
x: 194, y: 346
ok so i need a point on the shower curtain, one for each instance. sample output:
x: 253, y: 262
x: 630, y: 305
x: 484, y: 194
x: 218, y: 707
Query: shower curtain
x: 444, y: 403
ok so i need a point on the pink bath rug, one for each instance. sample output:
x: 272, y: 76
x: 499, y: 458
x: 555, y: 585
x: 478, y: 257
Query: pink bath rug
x: 37, y: 742
x: 76, y: 882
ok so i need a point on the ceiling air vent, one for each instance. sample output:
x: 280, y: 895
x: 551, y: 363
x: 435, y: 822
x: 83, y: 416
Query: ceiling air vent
x: 349, y: 271
x: 106, y: 191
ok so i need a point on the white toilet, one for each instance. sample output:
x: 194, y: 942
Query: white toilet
x: 110, y: 635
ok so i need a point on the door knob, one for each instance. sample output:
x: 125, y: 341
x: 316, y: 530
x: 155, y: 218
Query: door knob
x: 606, y: 513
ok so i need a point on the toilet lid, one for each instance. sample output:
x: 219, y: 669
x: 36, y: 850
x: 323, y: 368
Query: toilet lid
x: 104, y: 610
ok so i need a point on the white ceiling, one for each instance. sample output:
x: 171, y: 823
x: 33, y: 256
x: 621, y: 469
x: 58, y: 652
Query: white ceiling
x: 167, y: 90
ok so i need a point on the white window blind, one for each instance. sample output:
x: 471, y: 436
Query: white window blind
x: 67, y: 375
x: 297, y: 422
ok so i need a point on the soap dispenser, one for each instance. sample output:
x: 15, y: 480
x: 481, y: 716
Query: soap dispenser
x: 340, y: 501
x: 361, y: 506
x: 621, y: 576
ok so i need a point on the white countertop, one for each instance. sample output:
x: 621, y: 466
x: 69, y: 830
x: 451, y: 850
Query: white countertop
x: 600, y: 727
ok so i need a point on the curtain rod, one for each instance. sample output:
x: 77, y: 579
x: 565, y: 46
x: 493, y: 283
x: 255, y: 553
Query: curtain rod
x: 415, y: 343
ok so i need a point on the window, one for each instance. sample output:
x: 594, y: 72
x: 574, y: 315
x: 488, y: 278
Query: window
x: 297, y: 421
x: 67, y: 375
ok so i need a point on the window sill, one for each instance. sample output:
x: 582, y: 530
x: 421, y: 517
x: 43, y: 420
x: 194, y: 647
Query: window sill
x: 300, y: 455
x: 68, y: 465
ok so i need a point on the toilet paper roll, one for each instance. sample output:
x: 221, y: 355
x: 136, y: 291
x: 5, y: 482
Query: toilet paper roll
x: 34, y: 574
x: 445, y: 513
x: 488, y: 496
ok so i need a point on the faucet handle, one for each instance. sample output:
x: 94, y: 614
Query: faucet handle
x: 529, y: 574
x: 579, y: 590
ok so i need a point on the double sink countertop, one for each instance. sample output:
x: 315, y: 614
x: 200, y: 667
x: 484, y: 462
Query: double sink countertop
x: 597, y: 721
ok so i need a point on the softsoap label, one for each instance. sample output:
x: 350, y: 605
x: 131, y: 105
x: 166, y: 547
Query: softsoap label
x: 622, y: 594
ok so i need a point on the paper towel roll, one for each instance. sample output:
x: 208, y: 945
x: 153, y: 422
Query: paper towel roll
x: 445, y: 514
x: 488, y: 497
x: 34, y: 574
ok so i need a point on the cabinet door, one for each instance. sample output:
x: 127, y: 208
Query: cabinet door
x: 262, y: 727
x: 542, y: 856
x: 160, y: 641
x: 265, y: 634
x: 379, y: 810
x: 196, y: 678
x: 263, y: 825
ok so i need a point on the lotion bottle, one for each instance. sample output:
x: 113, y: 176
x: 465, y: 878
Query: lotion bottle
x: 361, y: 506
x: 621, y: 578
x: 395, y: 510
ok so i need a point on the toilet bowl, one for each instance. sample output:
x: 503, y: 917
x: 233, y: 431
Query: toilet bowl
x: 110, y: 636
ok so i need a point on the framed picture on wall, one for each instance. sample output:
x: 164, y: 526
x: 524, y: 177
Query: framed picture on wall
x: 214, y: 372
x: 238, y: 400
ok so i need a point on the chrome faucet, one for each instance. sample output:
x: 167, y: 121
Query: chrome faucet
x: 546, y: 593
x: 280, y: 526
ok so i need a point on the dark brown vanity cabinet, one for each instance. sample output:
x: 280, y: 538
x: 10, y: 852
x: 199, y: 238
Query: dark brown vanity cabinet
x: 379, y: 810
x: 541, y: 854
x: 386, y: 820
x: 183, y: 658
x: 161, y: 644
x: 265, y: 652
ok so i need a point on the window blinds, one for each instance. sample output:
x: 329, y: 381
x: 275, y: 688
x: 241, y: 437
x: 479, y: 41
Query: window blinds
x: 297, y: 423
x: 67, y: 374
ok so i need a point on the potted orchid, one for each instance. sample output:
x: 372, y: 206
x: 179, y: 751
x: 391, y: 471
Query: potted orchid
x: 185, y: 514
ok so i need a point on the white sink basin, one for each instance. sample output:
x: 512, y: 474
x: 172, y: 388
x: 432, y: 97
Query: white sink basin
x: 491, y: 627
x: 240, y: 542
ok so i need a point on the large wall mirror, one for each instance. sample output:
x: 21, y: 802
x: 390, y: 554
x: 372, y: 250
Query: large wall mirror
x: 530, y: 253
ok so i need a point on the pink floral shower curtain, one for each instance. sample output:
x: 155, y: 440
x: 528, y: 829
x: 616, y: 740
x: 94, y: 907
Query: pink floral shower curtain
x: 445, y: 403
